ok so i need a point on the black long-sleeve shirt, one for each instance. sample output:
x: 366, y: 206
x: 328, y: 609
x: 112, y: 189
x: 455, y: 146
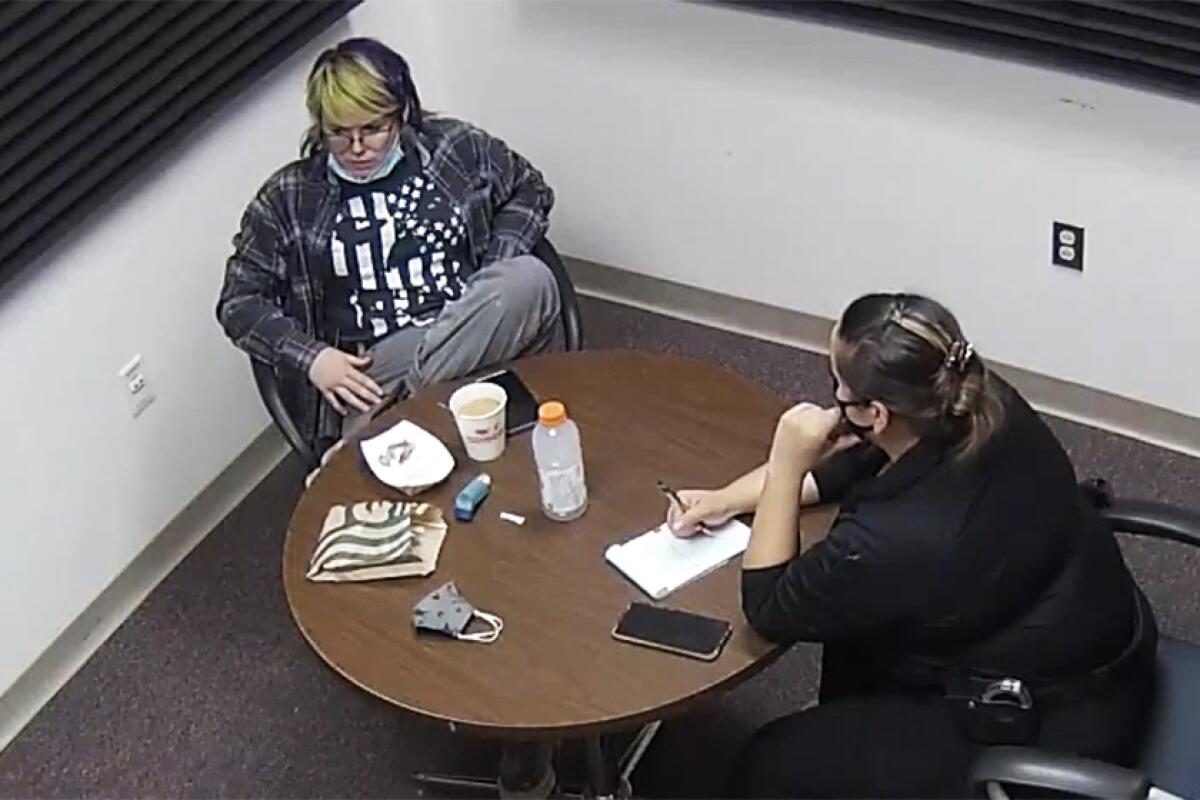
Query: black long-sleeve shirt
x: 994, y: 562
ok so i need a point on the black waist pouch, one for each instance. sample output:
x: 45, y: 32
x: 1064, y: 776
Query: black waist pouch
x: 993, y: 711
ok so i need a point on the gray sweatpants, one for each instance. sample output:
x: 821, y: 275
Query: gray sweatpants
x: 507, y: 310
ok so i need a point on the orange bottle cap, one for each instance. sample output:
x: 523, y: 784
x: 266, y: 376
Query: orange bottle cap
x: 552, y: 413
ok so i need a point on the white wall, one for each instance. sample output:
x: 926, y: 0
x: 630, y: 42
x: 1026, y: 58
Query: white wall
x: 799, y: 165
x: 85, y: 486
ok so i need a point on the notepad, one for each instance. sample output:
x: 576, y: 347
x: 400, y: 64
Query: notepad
x: 660, y: 562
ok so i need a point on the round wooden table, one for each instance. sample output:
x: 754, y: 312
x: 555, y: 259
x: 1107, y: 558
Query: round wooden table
x: 556, y: 672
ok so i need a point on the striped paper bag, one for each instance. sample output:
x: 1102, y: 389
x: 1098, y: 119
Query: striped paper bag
x: 377, y: 540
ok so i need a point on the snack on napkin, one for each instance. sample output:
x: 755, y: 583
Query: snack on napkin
x: 377, y: 540
x: 407, y: 457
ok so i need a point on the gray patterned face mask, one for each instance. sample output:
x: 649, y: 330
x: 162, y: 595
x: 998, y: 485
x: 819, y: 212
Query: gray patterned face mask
x: 446, y: 611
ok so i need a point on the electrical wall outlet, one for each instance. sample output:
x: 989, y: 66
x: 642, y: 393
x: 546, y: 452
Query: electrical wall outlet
x: 136, y: 386
x: 1066, y: 246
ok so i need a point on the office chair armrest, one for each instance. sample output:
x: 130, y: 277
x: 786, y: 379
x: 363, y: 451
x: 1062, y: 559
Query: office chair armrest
x: 572, y: 322
x: 268, y: 387
x: 1157, y: 520
x: 1044, y: 771
x: 1143, y: 517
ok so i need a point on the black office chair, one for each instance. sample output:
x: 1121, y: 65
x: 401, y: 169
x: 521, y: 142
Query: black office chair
x: 1170, y: 759
x: 268, y: 384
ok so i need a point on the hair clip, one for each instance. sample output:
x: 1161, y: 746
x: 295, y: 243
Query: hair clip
x: 961, y: 352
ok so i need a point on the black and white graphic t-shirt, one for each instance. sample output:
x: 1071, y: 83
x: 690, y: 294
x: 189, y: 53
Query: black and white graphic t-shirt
x: 399, y: 252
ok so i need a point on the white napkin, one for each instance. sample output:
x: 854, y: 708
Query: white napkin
x: 428, y: 461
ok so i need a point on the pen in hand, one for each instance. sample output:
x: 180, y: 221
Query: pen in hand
x: 674, y: 498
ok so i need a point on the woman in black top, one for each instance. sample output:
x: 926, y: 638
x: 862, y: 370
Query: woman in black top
x: 963, y: 553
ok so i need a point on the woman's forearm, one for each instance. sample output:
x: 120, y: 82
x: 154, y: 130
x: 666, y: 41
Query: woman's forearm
x: 773, y: 539
x: 743, y: 494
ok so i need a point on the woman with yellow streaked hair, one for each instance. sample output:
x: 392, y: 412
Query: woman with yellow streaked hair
x: 395, y: 253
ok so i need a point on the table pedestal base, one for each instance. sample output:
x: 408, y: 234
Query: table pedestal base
x: 527, y: 771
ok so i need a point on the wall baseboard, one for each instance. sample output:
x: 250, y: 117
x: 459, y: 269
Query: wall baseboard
x: 75, y: 645
x: 1149, y: 423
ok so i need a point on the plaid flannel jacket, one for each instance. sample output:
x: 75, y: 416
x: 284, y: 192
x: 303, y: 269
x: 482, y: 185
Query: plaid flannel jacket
x: 272, y: 299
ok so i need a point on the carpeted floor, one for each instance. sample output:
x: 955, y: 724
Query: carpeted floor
x: 208, y: 689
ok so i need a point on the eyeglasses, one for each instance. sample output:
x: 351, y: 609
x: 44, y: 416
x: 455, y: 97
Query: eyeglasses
x: 373, y: 136
x: 844, y: 404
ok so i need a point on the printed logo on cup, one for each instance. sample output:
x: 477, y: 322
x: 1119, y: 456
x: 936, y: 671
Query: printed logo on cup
x: 485, y: 434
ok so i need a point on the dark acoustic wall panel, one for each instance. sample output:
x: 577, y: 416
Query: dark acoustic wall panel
x: 1152, y: 43
x: 94, y: 93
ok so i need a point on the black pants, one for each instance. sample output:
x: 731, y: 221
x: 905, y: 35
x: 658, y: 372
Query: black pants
x: 868, y: 740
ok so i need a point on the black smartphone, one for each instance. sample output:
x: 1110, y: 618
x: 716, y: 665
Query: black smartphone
x: 679, y: 632
x: 522, y: 411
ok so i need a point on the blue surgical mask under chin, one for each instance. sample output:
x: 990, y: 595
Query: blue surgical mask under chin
x: 385, y: 166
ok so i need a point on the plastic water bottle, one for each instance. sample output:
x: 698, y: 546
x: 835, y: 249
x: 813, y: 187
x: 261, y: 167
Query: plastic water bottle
x: 559, y: 460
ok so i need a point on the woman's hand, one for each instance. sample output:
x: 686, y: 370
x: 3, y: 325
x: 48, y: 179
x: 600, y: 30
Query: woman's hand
x: 702, y: 507
x: 803, y: 436
x: 340, y: 379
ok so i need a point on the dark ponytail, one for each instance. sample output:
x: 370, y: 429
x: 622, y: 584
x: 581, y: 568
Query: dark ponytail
x: 976, y: 401
x: 909, y: 353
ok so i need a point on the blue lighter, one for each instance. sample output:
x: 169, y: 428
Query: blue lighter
x: 471, y: 497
